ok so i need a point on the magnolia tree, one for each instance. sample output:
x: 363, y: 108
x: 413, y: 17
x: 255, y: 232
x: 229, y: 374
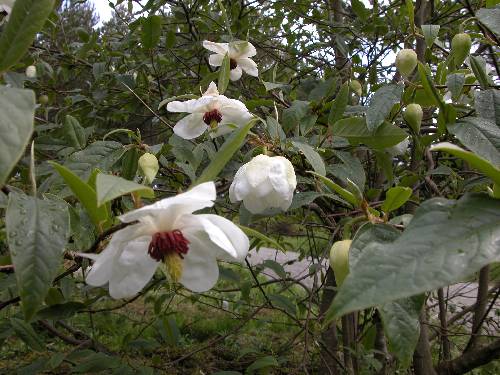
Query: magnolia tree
x: 146, y: 164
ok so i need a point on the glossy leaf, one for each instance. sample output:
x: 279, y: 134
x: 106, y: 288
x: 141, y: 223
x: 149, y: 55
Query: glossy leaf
x: 430, y: 34
x: 395, y: 198
x: 109, y: 187
x: 151, y: 31
x: 224, y: 73
x: 37, y: 232
x: 345, y: 194
x: 381, y: 104
x: 487, y: 104
x: 339, y: 104
x: 312, y: 157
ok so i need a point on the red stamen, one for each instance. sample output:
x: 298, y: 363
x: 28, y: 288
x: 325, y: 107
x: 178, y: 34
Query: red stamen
x: 208, y: 117
x: 163, y: 243
x: 232, y: 64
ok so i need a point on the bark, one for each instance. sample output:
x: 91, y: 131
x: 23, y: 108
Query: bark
x: 480, y: 309
x: 422, y: 358
x: 471, y: 360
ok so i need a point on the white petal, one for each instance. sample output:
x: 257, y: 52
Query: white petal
x: 235, y: 74
x: 215, y: 59
x: 101, y: 269
x: 212, y: 91
x: 239, y: 240
x: 241, y: 49
x: 255, y: 204
x: 200, y: 105
x: 220, y: 48
x: 166, y: 211
x: 200, y: 270
x: 191, y: 126
x: 278, y: 177
x: 237, y: 115
x: 249, y: 66
x: 133, y: 269
x: 236, y: 193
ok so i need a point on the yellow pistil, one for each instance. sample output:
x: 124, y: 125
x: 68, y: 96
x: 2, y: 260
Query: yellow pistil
x: 173, y: 266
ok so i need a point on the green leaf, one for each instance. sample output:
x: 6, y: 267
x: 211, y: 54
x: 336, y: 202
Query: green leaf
x: 26, y: 19
x: 74, y: 133
x: 151, y: 32
x: 37, y: 232
x: 226, y: 152
x: 109, y: 187
x: 60, y: 310
x: 395, y: 198
x: 410, y: 11
x: 430, y: 34
x: 490, y: 18
x: 339, y: 104
x: 478, y: 66
x: 262, y: 363
x: 312, y: 157
x: 381, y: 104
x: 402, y: 327
x: 359, y: 9
x: 455, y: 83
x: 480, y: 136
x: 26, y: 333
x: 224, y: 73
x: 428, y: 86
x: 345, y: 194
x: 349, y: 168
x: 356, y: 132
x: 262, y: 237
x: 85, y: 194
x: 17, y: 108
x: 474, y: 160
x: 487, y: 104
x: 307, y: 197
x: 446, y: 241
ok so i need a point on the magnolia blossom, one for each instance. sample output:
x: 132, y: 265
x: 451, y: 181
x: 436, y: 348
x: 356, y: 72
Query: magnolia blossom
x: 170, y: 235
x: 211, y: 111
x: 264, y: 182
x: 31, y: 71
x: 239, y: 57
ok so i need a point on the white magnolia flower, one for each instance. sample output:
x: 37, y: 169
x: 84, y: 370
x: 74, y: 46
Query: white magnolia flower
x: 169, y: 234
x: 264, y: 182
x: 213, y: 111
x: 5, y: 10
x: 239, y: 57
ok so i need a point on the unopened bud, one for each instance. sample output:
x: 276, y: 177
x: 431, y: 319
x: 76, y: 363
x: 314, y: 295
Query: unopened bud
x: 43, y: 99
x: 31, y: 71
x: 356, y: 87
x: 413, y: 116
x: 406, y: 61
x: 460, y: 48
x: 148, y: 166
x: 339, y: 260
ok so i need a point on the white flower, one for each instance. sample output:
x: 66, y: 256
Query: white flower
x: 169, y: 234
x: 31, y: 71
x: 264, y: 182
x: 213, y: 111
x: 239, y: 57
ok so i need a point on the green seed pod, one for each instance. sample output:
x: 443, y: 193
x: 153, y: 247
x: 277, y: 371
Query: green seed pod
x: 356, y: 87
x: 460, y: 48
x: 413, y: 116
x: 148, y: 166
x: 406, y: 61
x: 339, y: 260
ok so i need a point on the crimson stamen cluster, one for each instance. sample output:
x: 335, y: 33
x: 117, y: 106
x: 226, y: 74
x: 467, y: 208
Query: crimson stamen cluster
x: 208, y: 117
x: 164, y: 243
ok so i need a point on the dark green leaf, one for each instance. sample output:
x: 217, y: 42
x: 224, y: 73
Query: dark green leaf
x: 74, y: 133
x: 224, y: 74
x: 26, y: 333
x: 26, y: 19
x: 109, y: 187
x: 430, y: 34
x: 395, y: 198
x: 490, y: 18
x: 339, y: 104
x: 455, y: 83
x: 381, y: 104
x: 60, y: 311
x: 487, y: 104
x: 151, y: 32
x: 312, y: 157
x: 37, y: 232
x: 478, y: 66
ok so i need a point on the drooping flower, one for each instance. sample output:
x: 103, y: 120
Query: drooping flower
x: 169, y: 234
x: 239, y: 57
x: 31, y: 71
x: 148, y: 166
x: 264, y: 182
x: 211, y: 111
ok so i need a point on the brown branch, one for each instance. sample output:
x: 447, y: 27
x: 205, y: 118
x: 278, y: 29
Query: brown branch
x: 471, y: 359
x: 480, y: 307
x: 445, y: 344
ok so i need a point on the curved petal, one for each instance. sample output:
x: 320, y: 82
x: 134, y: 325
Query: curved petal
x: 220, y: 48
x: 235, y: 74
x: 241, y: 49
x: 191, y: 126
x: 249, y: 66
x: 133, y: 269
x: 190, y: 106
x: 212, y: 90
x: 239, y: 187
x: 255, y: 204
x: 101, y: 269
x: 200, y: 270
x: 234, y: 234
x: 169, y: 209
x: 234, y: 114
x: 278, y: 177
x: 215, y: 59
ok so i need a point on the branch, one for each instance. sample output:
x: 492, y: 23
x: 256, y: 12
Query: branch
x: 471, y: 360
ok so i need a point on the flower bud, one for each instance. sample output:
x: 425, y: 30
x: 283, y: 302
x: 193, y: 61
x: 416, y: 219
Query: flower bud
x: 148, y: 166
x: 460, y: 48
x: 406, y: 61
x: 43, y: 99
x: 339, y: 260
x: 413, y: 116
x: 31, y: 71
x: 264, y: 182
x: 356, y: 87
